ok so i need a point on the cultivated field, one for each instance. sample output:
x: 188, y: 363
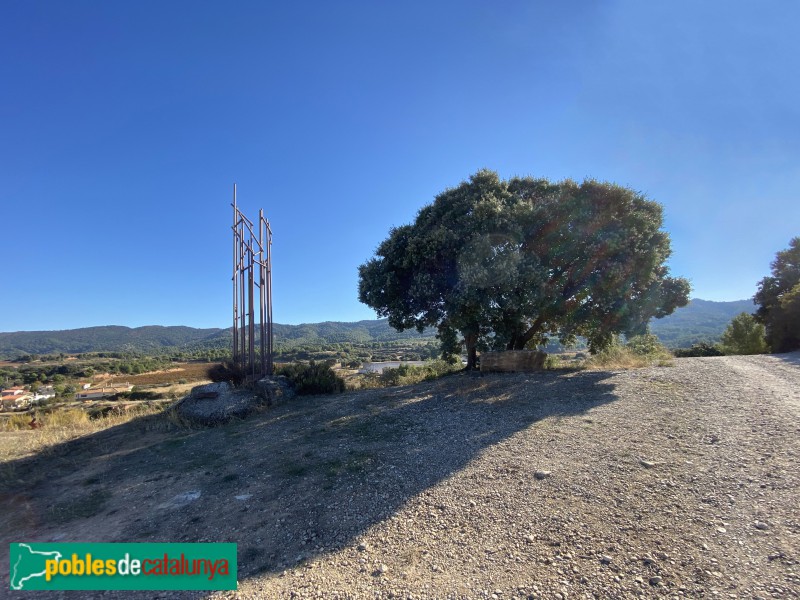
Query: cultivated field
x: 667, y: 482
x: 189, y: 372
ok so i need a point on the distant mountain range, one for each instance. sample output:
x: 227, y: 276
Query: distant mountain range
x: 154, y: 338
x: 700, y: 320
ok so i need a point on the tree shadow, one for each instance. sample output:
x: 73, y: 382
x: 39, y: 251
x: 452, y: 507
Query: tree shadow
x: 289, y: 484
x: 793, y: 358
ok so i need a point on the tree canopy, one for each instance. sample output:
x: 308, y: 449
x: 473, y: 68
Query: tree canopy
x: 744, y: 335
x: 507, y: 264
x: 778, y: 298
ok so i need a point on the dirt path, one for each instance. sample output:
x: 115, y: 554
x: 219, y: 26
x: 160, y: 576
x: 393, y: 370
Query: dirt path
x: 776, y: 375
x: 664, y: 482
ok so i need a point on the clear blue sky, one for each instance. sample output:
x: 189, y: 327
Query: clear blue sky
x: 123, y: 126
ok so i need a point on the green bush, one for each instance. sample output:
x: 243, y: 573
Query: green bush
x: 700, y: 349
x: 312, y: 378
x: 554, y: 362
x: 744, y: 335
x: 226, y: 371
x: 639, y: 351
x: 646, y: 345
x: 408, y: 374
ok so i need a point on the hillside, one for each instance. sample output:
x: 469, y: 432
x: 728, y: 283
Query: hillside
x: 109, y: 338
x: 676, y: 482
x: 701, y: 320
x: 157, y: 339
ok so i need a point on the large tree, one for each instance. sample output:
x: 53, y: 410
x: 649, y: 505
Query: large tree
x: 778, y: 298
x: 507, y: 264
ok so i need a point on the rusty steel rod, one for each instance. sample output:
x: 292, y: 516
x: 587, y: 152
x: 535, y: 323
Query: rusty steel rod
x: 251, y: 248
x: 242, y: 304
x: 262, y: 312
x: 235, y: 291
x: 270, y: 365
x: 251, y: 324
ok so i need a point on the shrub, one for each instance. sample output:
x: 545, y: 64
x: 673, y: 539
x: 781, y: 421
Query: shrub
x: 226, y: 371
x: 555, y: 362
x: 646, y: 345
x: 639, y: 351
x: 700, y: 349
x: 408, y: 374
x: 744, y: 335
x: 312, y: 378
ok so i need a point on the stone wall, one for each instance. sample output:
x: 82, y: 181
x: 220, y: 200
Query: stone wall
x: 510, y: 361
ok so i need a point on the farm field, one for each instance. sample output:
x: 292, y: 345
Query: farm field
x: 189, y: 372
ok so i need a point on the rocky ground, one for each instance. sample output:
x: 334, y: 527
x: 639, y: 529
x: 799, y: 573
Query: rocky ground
x: 668, y: 482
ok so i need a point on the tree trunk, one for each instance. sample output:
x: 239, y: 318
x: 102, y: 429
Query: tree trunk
x: 521, y: 341
x: 471, y: 341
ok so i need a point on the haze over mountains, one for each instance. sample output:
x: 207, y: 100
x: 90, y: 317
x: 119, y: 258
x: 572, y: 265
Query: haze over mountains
x: 155, y: 338
x: 700, y: 320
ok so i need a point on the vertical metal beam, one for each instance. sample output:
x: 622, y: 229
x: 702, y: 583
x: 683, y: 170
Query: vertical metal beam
x: 251, y: 248
x: 262, y: 313
x: 242, y: 304
x: 234, y: 355
x: 270, y: 365
x: 251, y: 324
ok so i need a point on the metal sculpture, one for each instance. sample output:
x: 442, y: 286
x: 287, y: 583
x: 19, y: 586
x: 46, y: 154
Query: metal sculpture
x: 252, y: 268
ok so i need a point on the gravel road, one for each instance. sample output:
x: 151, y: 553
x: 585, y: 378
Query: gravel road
x: 670, y: 482
x: 674, y: 482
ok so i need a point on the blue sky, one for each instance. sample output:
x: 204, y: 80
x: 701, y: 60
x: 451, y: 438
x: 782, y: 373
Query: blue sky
x: 123, y: 126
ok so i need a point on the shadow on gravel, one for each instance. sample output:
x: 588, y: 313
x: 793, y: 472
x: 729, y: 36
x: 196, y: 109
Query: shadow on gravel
x: 290, y: 483
x: 793, y: 358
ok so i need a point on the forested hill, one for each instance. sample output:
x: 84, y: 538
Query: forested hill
x: 698, y: 321
x: 701, y: 320
x: 109, y: 338
x: 336, y: 332
x: 154, y: 339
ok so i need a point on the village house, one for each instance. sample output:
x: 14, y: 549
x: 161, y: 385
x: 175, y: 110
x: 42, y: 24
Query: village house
x: 43, y: 393
x: 12, y: 391
x: 15, y: 398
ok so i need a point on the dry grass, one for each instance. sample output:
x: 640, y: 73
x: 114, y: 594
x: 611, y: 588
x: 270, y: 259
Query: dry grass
x: 18, y: 440
x: 630, y: 356
x: 620, y: 359
x: 57, y: 426
x: 362, y: 381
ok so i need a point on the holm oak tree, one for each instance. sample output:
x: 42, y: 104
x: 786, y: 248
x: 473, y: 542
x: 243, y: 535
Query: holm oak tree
x: 508, y: 264
x: 778, y: 298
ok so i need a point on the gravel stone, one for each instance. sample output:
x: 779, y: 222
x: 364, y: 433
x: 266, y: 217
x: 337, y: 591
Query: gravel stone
x: 443, y: 474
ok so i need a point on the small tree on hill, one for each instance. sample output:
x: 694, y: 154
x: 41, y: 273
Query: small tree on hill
x: 744, y: 335
x: 778, y: 298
